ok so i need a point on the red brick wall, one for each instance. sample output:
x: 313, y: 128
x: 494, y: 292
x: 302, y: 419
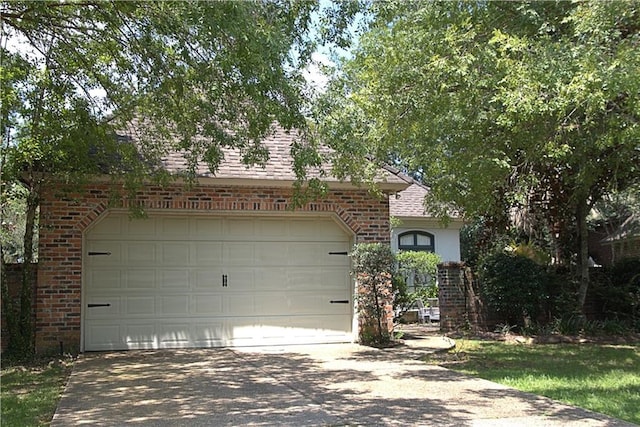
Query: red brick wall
x: 64, y: 217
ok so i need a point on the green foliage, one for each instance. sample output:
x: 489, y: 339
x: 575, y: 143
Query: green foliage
x: 616, y: 291
x: 372, y: 265
x: 420, y: 269
x: 501, y: 107
x: 514, y: 287
x: 197, y: 77
x: 13, y: 205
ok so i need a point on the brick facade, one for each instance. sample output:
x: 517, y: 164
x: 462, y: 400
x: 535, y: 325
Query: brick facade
x: 64, y: 217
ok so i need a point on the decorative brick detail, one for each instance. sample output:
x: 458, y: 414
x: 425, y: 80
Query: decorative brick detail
x: 64, y: 218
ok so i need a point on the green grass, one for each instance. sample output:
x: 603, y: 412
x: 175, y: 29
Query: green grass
x: 601, y: 378
x: 30, y: 393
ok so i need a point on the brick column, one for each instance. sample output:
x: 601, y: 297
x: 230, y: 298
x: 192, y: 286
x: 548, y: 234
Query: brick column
x: 452, y: 296
x: 459, y: 300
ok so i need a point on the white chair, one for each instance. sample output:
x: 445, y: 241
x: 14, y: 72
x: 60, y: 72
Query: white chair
x: 423, y: 312
x: 431, y: 313
x: 434, y: 309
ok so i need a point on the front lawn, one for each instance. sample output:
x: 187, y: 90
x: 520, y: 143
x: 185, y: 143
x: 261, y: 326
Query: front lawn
x: 601, y: 378
x: 30, y: 392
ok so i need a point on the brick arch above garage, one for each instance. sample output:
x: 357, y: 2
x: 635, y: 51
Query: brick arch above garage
x: 64, y: 218
x: 343, y: 203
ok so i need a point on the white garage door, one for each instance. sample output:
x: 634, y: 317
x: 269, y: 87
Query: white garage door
x: 174, y: 282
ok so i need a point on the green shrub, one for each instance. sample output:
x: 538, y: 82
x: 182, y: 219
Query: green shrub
x: 514, y: 287
x: 372, y: 265
x: 616, y: 291
x: 420, y: 269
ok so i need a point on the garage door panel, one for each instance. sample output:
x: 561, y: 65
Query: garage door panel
x: 318, y: 254
x: 242, y: 279
x: 207, y: 304
x: 274, y: 279
x: 106, y: 278
x: 208, y: 228
x: 140, y: 306
x: 238, y: 253
x: 317, y: 304
x: 309, y: 278
x: 140, y: 253
x: 175, y: 253
x: 270, y: 254
x: 208, y: 253
x: 209, y: 334
x: 108, y: 227
x: 140, y: 279
x: 239, y: 305
x: 139, y: 229
x: 104, y: 306
x: 270, y: 229
x: 316, y: 230
x: 165, y: 282
x: 174, y: 334
x: 105, y: 337
x: 139, y: 336
x: 242, y: 229
x: 174, y: 305
x: 104, y: 253
x: 179, y: 279
x: 207, y: 279
x: 171, y: 228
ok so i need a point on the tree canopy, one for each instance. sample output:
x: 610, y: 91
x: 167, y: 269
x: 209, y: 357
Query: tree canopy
x: 497, y: 106
x: 198, y: 75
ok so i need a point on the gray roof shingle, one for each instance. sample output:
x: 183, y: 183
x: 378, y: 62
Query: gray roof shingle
x: 409, y: 202
x: 279, y: 167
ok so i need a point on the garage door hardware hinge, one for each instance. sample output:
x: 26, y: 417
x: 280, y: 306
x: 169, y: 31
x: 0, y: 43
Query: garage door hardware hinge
x: 98, y: 305
x: 99, y: 253
x: 339, y: 253
x: 224, y: 280
x: 339, y: 301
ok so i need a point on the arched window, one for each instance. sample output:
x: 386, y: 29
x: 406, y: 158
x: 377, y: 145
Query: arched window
x: 416, y: 241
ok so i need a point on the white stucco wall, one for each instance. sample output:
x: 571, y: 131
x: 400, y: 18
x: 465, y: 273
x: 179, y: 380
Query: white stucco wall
x: 447, y: 240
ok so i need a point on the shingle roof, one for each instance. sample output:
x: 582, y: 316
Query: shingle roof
x: 409, y: 202
x: 279, y: 167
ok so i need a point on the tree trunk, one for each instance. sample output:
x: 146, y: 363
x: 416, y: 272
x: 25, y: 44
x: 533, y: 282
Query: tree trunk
x: 8, y: 305
x: 583, y: 254
x: 27, y: 328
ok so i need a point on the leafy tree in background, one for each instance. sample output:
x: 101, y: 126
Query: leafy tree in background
x: 500, y: 107
x: 191, y: 76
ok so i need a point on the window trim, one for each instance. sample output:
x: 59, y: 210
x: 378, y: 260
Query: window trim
x: 415, y: 246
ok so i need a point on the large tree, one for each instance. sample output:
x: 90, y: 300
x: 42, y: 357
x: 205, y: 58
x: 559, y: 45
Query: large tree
x: 191, y: 76
x: 498, y: 107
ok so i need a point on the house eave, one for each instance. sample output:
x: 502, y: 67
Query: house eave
x: 385, y: 187
x: 453, y: 221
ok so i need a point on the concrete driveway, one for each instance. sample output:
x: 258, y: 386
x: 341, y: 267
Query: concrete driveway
x: 329, y: 385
